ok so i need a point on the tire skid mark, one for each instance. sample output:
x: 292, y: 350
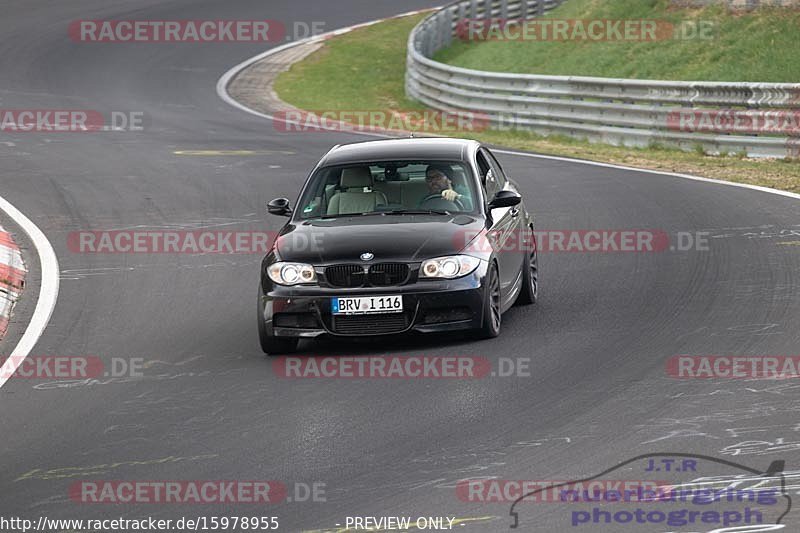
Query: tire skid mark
x: 93, y: 470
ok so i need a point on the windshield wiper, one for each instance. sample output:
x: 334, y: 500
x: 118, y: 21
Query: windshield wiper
x: 345, y: 215
x: 392, y: 212
x: 418, y: 212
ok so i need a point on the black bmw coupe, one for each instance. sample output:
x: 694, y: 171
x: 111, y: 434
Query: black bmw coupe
x: 393, y: 236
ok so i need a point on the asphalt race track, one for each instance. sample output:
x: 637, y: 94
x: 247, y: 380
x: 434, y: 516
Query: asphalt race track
x: 210, y: 407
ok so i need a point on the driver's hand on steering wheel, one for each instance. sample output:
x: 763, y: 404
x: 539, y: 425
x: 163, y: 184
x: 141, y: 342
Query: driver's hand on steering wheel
x: 450, y: 195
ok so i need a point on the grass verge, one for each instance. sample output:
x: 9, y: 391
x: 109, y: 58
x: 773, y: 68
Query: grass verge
x: 365, y: 70
x: 712, y: 43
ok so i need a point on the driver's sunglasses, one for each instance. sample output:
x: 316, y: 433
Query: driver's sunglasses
x: 435, y: 176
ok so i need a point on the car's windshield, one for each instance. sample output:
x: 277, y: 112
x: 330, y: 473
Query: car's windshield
x: 389, y: 187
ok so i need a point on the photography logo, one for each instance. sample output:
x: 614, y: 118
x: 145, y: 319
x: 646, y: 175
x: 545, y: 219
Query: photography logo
x: 689, y: 492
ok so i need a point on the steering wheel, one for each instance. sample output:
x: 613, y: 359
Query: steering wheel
x: 438, y: 196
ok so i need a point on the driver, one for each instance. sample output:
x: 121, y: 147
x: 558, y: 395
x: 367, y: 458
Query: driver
x: 438, y: 180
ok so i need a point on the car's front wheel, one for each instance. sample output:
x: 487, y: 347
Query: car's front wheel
x: 530, y: 279
x: 492, y: 317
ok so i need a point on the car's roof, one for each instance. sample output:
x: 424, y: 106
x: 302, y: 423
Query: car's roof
x: 440, y: 148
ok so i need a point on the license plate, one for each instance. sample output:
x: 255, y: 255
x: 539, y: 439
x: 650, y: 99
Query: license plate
x: 367, y: 305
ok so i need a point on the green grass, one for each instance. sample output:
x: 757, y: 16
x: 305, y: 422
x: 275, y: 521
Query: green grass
x: 365, y: 70
x: 763, y: 46
x: 361, y: 70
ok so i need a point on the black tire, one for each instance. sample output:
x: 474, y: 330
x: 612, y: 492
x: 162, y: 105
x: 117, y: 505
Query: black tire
x: 530, y: 280
x: 492, y: 318
x: 274, y: 345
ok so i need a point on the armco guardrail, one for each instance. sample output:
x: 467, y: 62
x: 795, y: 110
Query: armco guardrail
x: 759, y: 119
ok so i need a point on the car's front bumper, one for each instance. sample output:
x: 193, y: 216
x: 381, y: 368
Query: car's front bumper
x: 428, y: 306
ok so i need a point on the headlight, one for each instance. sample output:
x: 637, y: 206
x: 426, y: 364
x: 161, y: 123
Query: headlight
x: 453, y: 266
x: 291, y: 273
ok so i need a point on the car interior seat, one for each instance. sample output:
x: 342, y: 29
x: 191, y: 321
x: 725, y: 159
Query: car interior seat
x: 356, y: 193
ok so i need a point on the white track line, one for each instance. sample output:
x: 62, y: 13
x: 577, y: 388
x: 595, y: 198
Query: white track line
x: 48, y: 292
x: 224, y: 81
x: 659, y: 172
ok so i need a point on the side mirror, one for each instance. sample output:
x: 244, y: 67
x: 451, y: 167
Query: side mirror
x: 280, y: 207
x: 505, y: 199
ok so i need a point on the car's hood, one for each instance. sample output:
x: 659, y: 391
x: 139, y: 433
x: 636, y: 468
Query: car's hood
x: 388, y: 238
